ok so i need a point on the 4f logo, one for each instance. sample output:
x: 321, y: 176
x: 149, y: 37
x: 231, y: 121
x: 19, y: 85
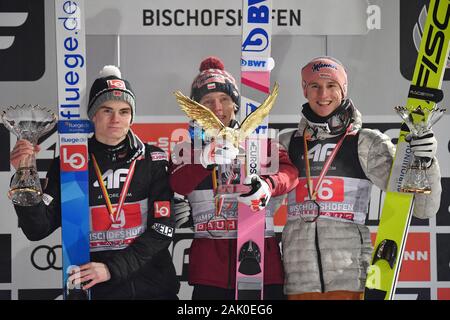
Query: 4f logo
x: 319, y: 153
x: 113, y: 179
x: 22, y: 40
x: 73, y: 157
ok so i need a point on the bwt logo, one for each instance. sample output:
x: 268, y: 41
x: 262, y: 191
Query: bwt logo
x: 113, y: 178
x: 319, y: 152
x: 257, y: 40
x: 253, y: 63
x: 22, y: 40
x: 73, y: 157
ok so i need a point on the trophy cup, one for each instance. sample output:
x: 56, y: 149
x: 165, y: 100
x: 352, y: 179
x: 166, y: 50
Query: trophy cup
x: 418, y: 121
x: 30, y: 123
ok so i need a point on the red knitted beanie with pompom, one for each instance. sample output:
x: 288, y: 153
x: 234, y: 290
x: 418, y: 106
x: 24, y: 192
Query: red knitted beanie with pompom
x: 214, y: 78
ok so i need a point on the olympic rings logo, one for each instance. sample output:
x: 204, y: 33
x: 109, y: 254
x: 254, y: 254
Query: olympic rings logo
x: 50, y: 257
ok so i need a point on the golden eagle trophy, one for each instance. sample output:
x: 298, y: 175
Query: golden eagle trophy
x: 215, y: 128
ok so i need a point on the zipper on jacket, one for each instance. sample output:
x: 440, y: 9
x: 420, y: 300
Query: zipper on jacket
x: 319, y: 260
x: 360, y: 235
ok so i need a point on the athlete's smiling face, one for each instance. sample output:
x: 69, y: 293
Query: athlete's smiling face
x: 324, y: 96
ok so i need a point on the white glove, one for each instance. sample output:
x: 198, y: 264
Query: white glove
x: 258, y: 197
x: 182, y: 211
x: 218, y: 152
x: 424, y: 145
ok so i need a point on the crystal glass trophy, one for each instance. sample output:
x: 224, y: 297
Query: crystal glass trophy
x: 30, y: 123
x: 418, y: 121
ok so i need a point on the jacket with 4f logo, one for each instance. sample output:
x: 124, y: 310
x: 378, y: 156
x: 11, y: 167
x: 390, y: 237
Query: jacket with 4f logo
x: 133, y: 243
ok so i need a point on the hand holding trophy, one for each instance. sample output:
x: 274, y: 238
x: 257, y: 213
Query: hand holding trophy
x: 418, y: 121
x: 30, y: 123
x: 228, y: 181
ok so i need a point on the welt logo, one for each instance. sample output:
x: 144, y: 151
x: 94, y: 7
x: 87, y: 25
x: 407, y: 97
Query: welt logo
x: 22, y: 40
x: 412, y: 23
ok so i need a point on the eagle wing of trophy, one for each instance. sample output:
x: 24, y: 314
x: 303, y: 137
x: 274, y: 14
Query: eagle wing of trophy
x: 204, y: 117
x: 254, y: 119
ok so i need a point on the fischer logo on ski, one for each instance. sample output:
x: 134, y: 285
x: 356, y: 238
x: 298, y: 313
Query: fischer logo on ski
x: 396, y: 215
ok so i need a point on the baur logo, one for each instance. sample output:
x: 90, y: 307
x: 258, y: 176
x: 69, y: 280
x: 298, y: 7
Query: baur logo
x: 73, y: 157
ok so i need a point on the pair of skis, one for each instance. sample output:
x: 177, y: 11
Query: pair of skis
x: 256, y: 64
x: 396, y: 214
x: 73, y: 130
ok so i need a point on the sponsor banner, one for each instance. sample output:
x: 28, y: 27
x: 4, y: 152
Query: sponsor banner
x: 71, y: 60
x: 416, y: 258
x: 416, y: 263
x: 223, y: 17
x: 443, y: 293
x: 162, y: 135
x: 45, y: 257
x: 22, y: 40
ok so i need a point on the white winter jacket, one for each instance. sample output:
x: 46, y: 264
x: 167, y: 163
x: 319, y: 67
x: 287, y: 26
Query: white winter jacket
x: 336, y: 255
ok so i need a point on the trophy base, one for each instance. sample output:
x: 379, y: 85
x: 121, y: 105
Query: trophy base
x: 25, y: 197
x: 426, y: 190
